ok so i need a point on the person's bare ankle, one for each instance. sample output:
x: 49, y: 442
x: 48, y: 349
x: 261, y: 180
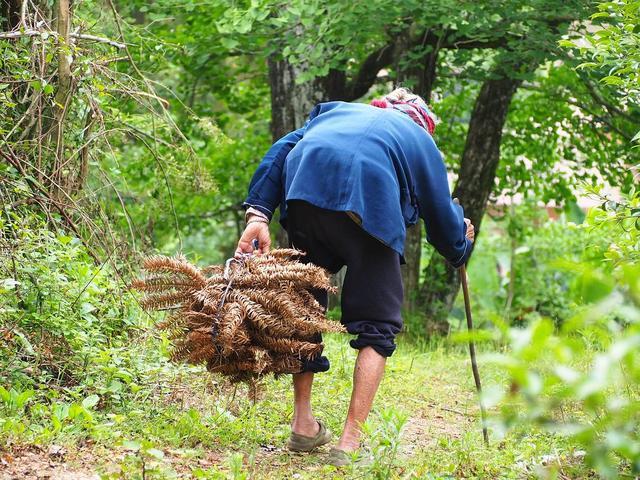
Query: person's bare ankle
x: 349, y: 442
x: 348, y: 446
x: 308, y: 427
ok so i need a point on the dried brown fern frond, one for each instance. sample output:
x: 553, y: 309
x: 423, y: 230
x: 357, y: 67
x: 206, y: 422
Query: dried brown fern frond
x: 195, y: 320
x: 279, y: 254
x: 233, y: 367
x: 202, y: 353
x: 181, y: 350
x: 160, y: 284
x: 231, y: 335
x: 307, y: 300
x: 211, y: 294
x: 286, y: 345
x: 285, y: 364
x: 175, y: 330
x: 278, y: 278
x: 273, y: 325
x: 179, y: 265
x: 280, y: 304
x: 165, y: 300
x: 174, y: 320
x: 213, y: 270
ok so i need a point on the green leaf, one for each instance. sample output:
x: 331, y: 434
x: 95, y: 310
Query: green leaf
x: 567, y: 43
x: 155, y: 453
x: 593, y: 287
x: 244, y: 25
x: 612, y: 80
x: 24, y: 397
x: 76, y: 410
x: 586, y: 65
x: 131, y: 445
x: 115, y: 386
x: 4, y: 395
x: 229, y: 43
x: 91, y: 401
x: 55, y: 421
x: 64, y: 239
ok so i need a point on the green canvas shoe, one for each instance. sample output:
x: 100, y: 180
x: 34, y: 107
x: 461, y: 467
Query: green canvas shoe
x: 302, y: 443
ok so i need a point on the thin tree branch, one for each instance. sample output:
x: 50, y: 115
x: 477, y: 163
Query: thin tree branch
x: 50, y: 33
x: 95, y: 38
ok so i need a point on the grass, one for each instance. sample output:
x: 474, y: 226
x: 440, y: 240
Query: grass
x: 157, y: 420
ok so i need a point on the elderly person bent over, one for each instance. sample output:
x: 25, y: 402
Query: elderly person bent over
x: 348, y: 183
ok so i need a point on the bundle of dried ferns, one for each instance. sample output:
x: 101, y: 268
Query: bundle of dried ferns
x: 254, y: 317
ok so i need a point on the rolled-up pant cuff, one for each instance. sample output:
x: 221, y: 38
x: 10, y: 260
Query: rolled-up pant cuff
x: 384, y: 348
x: 377, y: 334
x: 316, y: 365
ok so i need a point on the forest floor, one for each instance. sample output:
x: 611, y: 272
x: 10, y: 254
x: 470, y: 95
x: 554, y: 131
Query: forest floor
x: 184, y: 423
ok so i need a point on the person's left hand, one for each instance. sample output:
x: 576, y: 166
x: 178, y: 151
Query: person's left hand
x: 471, y: 231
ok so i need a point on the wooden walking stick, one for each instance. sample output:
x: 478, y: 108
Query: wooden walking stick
x: 472, y: 351
x: 472, y: 348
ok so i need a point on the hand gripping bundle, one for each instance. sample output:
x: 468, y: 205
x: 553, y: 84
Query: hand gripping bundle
x: 253, y: 316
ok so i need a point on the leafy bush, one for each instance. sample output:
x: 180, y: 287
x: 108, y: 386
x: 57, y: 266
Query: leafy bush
x: 596, y: 403
x: 59, y: 309
x: 66, y: 323
x: 516, y: 277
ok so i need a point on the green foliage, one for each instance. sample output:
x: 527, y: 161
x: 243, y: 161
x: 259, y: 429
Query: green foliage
x: 143, y: 461
x: 59, y: 309
x: 385, y: 440
x: 541, y: 362
x: 339, y: 35
x: 621, y: 219
x: 559, y: 136
x: 515, y: 275
x: 613, y: 50
x: 181, y: 195
x: 77, y: 363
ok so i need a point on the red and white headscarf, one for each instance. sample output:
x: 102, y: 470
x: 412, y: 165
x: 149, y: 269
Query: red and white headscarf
x: 415, y: 108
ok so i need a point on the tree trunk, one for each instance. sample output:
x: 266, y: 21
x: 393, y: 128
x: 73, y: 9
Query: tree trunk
x: 62, y: 98
x: 411, y: 271
x: 475, y: 184
x: 291, y: 103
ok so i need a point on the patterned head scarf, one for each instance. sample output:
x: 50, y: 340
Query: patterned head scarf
x: 416, y: 108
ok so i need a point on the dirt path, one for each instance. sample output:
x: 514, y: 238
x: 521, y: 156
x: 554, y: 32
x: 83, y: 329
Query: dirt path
x: 35, y: 463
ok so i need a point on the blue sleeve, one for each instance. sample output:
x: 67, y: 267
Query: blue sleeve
x: 444, y: 219
x: 265, y: 189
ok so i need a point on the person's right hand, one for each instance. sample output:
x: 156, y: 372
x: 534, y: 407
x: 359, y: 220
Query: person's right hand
x: 471, y: 231
x: 254, y: 230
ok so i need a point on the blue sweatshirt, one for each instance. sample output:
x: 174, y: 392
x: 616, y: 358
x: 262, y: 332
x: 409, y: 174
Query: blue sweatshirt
x: 375, y: 163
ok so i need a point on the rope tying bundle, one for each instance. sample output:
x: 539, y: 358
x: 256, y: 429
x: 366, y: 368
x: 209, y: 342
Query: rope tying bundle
x: 253, y: 316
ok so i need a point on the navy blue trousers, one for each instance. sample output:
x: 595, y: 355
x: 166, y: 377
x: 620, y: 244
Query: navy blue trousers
x: 372, y: 291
